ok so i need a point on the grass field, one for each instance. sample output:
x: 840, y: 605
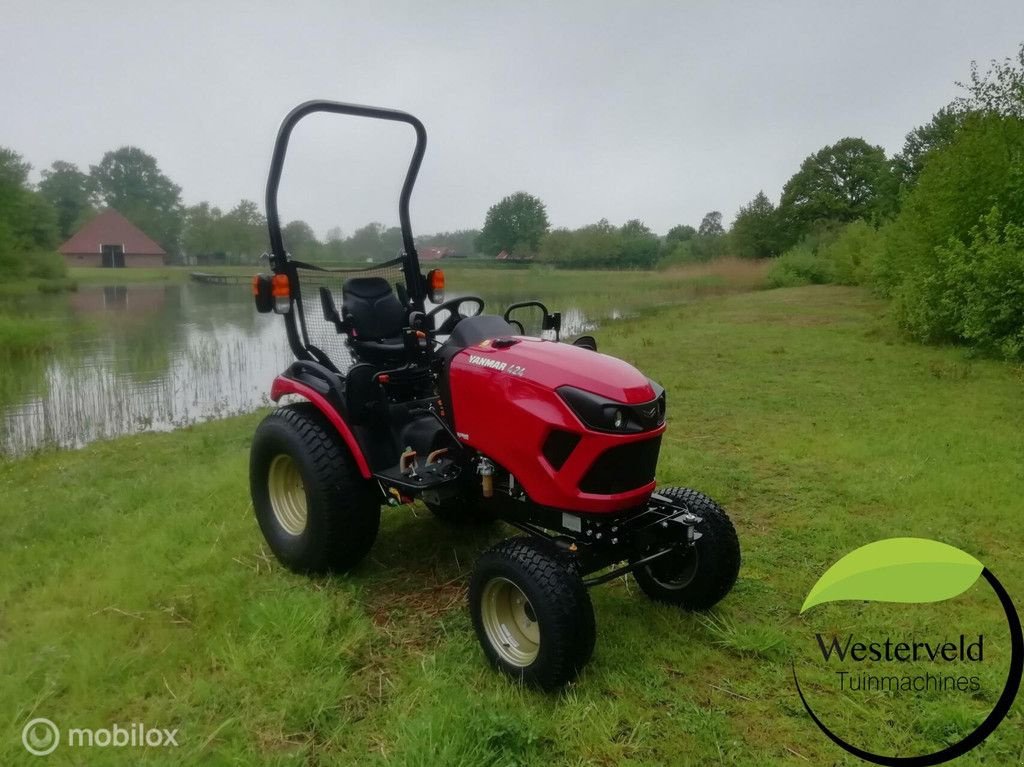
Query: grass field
x: 721, y: 275
x: 134, y: 585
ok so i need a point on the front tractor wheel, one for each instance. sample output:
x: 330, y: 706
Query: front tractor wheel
x: 315, y: 510
x: 699, y: 577
x: 531, y: 613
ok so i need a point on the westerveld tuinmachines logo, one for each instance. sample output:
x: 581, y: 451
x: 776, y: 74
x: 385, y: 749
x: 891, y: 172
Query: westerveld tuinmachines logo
x: 943, y: 668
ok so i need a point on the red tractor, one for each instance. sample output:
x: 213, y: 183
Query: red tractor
x: 406, y: 395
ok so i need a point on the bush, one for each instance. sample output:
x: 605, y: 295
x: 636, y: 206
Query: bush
x: 601, y: 246
x: 799, y: 265
x: 46, y: 265
x: 853, y: 253
x: 681, y: 253
x: 10, y: 254
x: 982, y: 167
x: 975, y: 293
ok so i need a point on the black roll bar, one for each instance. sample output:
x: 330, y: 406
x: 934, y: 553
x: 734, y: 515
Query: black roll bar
x: 278, y: 259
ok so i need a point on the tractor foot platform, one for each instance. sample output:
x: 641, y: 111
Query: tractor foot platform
x: 413, y: 474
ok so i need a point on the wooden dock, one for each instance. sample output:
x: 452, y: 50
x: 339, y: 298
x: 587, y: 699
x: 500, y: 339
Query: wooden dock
x: 219, y: 279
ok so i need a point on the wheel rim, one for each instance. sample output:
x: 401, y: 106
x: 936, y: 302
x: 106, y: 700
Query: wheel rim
x: 510, y: 622
x: 287, y: 494
x: 672, y: 573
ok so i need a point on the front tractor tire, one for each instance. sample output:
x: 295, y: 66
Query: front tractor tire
x: 532, y: 613
x: 699, y: 577
x: 316, y: 511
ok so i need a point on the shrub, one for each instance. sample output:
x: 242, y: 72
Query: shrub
x: 46, y: 265
x: 975, y: 293
x: 680, y: 254
x: 799, y: 265
x: 10, y: 255
x: 982, y: 167
x: 601, y: 246
x: 853, y: 253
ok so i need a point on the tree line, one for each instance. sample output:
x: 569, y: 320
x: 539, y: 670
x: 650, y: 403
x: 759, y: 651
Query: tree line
x: 941, y: 231
x: 938, y: 227
x: 36, y: 218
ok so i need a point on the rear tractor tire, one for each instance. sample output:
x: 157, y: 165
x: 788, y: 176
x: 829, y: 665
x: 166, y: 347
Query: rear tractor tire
x: 317, y: 513
x: 700, y: 577
x: 532, y: 614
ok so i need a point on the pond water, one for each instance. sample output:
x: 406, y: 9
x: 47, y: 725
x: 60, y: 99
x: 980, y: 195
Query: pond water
x: 149, y: 357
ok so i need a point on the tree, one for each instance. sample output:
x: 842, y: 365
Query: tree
x: 517, y: 223
x: 711, y: 224
x: 69, y: 191
x: 842, y: 182
x: 299, y: 239
x: 638, y: 245
x: 28, y: 224
x: 602, y: 245
x: 755, y: 231
x: 999, y: 91
x: 636, y: 229
x: 13, y: 170
x: 334, y: 244
x: 365, y: 242
x: 921, y: 142
x: 204, y: 231
x: 680, y: 233
x: 130, y: 181
x: 959, y: 185
x: 245, y: 230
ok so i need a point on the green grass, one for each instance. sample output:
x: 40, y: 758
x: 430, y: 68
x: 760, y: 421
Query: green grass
x: 168, y: 274
x: 20, y: 336
x: 29, y: 286
x: 602, y: 288
x: 134, y: 584
x: 597, y: 291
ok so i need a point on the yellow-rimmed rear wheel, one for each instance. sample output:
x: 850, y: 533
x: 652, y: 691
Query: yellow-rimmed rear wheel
x: 287, y: 493
x: 316, y: 511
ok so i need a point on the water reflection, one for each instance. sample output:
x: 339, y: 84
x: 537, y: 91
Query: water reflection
x: 154, y: 358
x: 157, y: 358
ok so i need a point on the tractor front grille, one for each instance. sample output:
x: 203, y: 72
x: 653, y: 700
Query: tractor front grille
x: 623, y: 468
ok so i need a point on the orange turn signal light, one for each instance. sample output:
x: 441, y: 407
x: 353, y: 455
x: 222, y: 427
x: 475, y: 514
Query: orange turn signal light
x: 435, y: 285
x: 281, y: 288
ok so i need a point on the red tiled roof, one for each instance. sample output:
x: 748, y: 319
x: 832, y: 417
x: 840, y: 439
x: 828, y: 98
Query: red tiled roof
x: 111, y: 228
x: 434, y: 254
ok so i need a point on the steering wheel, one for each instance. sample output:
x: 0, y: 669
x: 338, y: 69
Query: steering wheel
x: 454, y: 318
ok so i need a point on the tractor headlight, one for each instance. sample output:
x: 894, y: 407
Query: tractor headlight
x: 608, y: 415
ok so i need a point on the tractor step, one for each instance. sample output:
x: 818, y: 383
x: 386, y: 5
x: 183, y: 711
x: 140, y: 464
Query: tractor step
x: 412, y: 476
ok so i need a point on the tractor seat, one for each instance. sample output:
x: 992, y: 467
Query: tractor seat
x: 375, y: 317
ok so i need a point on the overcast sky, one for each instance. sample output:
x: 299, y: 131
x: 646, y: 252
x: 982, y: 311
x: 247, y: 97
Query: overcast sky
x: 657, y: 111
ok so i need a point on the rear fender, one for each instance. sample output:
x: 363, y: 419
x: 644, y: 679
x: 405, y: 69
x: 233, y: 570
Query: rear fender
x: 283, y: 385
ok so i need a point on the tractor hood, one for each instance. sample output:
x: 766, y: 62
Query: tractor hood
x: 550, y: 364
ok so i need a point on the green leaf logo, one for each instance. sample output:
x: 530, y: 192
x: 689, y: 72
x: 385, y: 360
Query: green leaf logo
x: 897, y: 570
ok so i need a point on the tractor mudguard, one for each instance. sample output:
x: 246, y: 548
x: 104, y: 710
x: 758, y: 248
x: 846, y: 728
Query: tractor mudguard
x: 283, y: 385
